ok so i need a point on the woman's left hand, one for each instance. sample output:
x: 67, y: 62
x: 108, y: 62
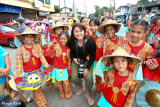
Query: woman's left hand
x: 85, y: 72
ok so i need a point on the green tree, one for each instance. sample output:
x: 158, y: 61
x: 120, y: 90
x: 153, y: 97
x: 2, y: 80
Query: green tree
x: 100, y: 11
x: 103, y: 10
x: 91, y: 15
x: 142, y: 1
x: 56, y: 8
x: 97, y: 9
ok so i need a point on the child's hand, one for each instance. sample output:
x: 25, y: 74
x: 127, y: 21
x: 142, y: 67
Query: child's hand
x: 152, y: 64
x: 157, y: 45
x: 48, y: 69
x: 50, y: 45
x: 124, y: 39
x: 113, y: 48
x: 3, y: 72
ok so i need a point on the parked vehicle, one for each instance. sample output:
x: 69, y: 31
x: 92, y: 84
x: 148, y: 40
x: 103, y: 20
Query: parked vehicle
x: 7, y: 35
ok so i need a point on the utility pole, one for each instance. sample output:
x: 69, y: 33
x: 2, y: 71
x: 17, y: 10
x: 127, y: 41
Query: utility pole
x: 110, y: 10
x: 73, y: 9
x: 65, y: 6
x: 86, y: 10
x: 84, y: 6
x: 114, y: 4
x: 59, y: 7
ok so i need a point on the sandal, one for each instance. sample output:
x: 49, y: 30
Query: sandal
x: 78, y: 93
x: 90, y: 101
x: 29, y: 100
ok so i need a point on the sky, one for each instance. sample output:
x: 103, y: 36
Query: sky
x: 88, y: 5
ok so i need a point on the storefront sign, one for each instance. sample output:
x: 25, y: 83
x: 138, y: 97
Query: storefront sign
x: 38, y: 4
x: 11, y: 9
x: 41, y: 13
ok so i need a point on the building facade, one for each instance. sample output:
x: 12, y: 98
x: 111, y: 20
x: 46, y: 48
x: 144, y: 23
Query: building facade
x: 30, y: 9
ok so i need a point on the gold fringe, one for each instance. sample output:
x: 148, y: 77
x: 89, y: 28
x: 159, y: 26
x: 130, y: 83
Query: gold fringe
x: 34, y: 62
x: 64, y: 59
x: 114, y: 97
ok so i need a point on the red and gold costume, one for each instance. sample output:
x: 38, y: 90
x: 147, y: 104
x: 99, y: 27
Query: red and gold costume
x: 28, y: 60
x: 47, y: 55
x: 62, y: 61
x: 119, y: 90
x: 108, y: 44
x: 143, y: 51
x: 99, y: 53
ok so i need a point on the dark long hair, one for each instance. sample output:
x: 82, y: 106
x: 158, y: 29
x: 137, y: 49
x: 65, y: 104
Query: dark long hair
x: 82, y: 19
x: 144, y: 23
x: 95, y: 21
x: 79, y: 25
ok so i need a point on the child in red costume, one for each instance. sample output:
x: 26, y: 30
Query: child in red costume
x: 56, y: 30
x: 119, y: 87
x: 112, y: 41
x: 136, y: 46
x: 99, y: 39
x: 48, y: 54
x: 62, y: 67
x: 28, y: 59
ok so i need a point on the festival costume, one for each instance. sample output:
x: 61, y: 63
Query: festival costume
x: 125, y: 85
x: 119, y: 91
x: 61, y: 66
x: 29, y: 60
x: 110, y: 43
x: 47, y: 54
x: 99, y: 40
x: 145, y: 52
x: 107, y: 45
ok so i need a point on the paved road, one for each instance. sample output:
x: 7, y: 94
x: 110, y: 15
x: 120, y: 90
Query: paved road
x: 53, y: 97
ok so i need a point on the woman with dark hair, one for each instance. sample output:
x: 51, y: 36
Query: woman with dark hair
x: 81, y: 45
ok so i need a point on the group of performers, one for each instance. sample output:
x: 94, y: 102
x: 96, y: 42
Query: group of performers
x: 127, y: 64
